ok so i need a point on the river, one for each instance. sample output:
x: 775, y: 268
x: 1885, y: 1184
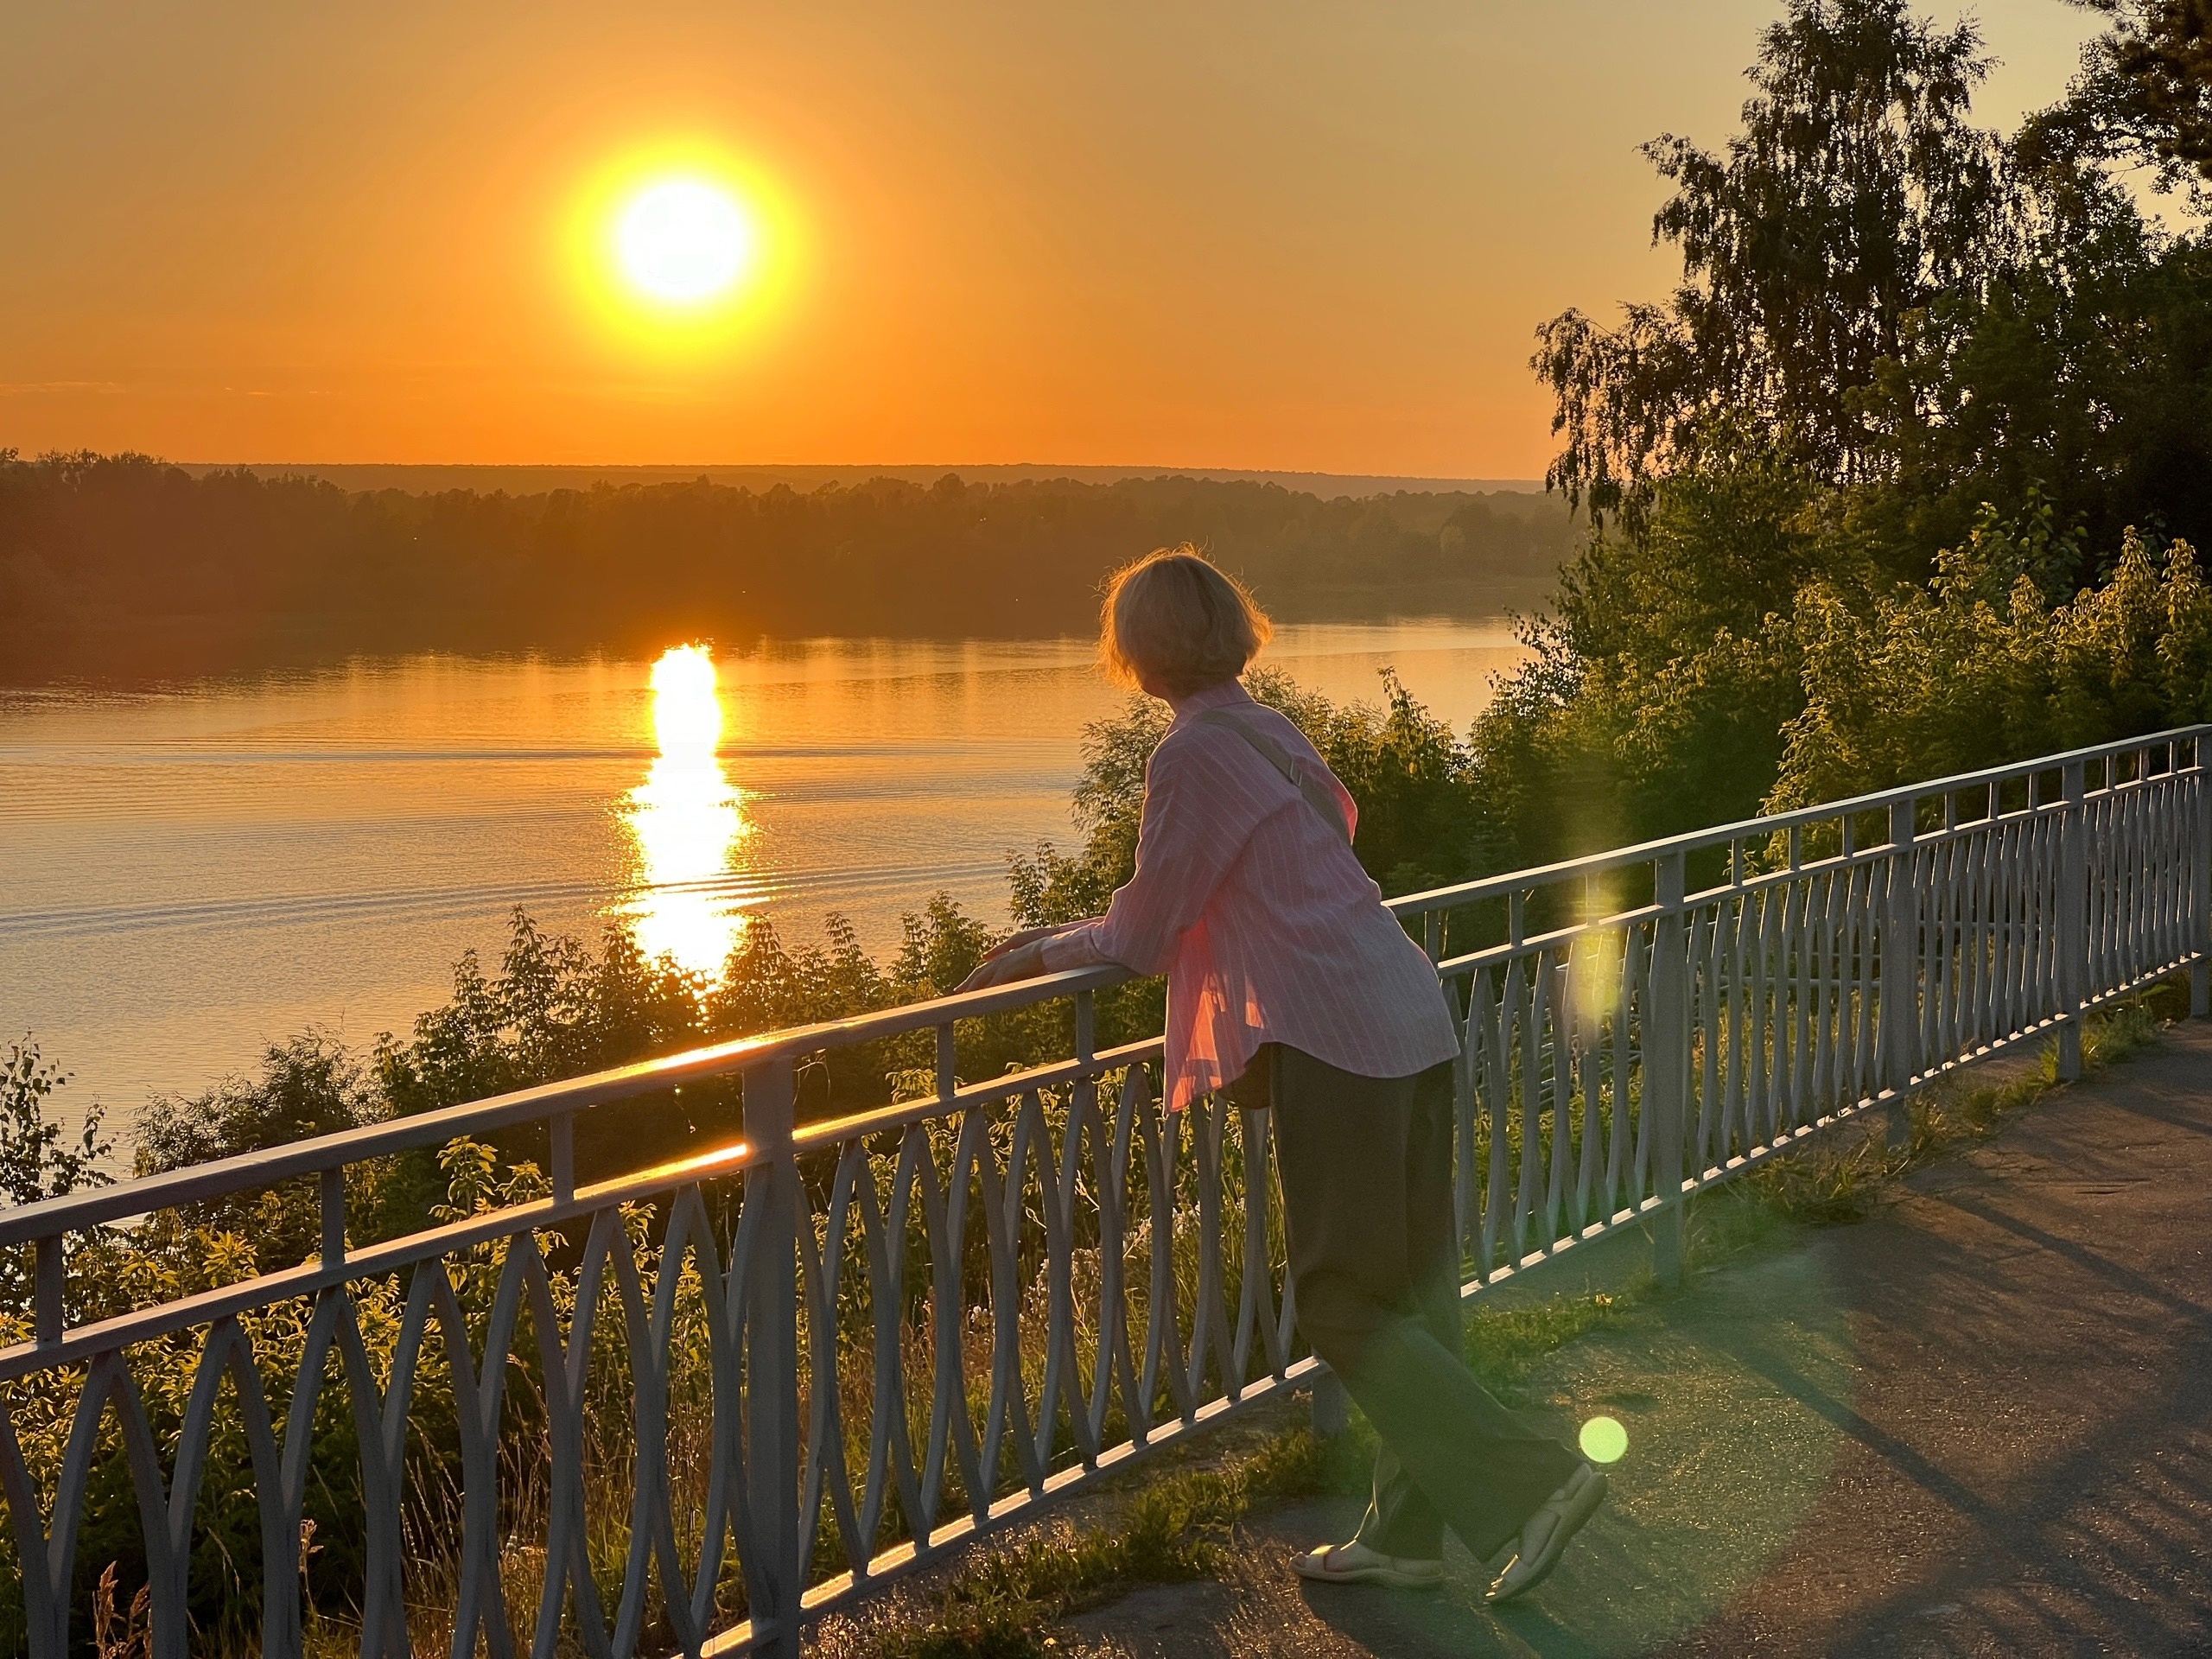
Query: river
x: 191, y: 872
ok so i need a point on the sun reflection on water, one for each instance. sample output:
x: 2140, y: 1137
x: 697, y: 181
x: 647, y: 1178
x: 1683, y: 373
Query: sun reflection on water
x: 687, y: 818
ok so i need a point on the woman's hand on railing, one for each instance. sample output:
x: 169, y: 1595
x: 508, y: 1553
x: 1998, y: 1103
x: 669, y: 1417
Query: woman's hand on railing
x: 1021, y: 956
x: 1028, y: 935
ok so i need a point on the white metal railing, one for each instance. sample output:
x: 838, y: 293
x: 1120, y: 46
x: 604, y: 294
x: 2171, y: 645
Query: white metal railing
x: 835, y: 1348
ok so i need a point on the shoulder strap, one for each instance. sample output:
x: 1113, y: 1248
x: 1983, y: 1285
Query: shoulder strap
x: 1319, y: 798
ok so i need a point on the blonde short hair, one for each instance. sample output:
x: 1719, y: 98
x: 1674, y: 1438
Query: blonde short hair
x: 1177, y: 617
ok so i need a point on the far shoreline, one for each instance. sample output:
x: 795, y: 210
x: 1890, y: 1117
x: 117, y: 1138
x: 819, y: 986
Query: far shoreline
x: 128, y: 569
x: 534, y: 478
x: 1502, y: 617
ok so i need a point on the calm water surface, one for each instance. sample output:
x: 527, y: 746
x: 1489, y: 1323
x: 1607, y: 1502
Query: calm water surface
x: 189, y: 874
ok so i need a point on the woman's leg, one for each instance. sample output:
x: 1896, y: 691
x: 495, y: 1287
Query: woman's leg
x: 1400, y: 1520
x: 1366, y: 1178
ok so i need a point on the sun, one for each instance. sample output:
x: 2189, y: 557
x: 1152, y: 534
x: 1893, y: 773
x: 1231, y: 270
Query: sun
x: 684, y: 241
x: 681, y: 250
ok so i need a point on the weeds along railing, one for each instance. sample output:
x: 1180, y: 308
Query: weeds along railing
x: 688, y: 1408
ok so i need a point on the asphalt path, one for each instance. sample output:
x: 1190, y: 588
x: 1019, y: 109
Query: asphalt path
x: 1978, y: 1423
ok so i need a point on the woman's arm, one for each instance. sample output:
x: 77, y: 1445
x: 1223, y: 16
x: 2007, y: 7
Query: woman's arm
x: 1196, y: 821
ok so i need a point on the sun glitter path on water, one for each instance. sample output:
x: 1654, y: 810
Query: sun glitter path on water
x: 686, y: 818
x: 1604, y: 1439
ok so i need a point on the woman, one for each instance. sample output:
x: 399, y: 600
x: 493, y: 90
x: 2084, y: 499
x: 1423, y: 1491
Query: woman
x: 1286, y: 977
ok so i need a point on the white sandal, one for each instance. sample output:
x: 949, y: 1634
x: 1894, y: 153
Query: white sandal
x: 1355, y: 1563
x: 1545, y: 1535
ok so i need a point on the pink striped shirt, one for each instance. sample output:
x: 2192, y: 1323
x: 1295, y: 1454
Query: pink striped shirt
x: 1265, y: 926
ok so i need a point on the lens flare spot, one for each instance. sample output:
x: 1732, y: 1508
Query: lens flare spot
x: 1604, y: 1439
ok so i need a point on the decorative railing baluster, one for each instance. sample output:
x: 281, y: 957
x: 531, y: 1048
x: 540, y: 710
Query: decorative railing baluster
x: 2195, y: 845
x: 1898, y: 949
x: 772, y: 1362
x: 1666, y: 1065
x: 2068, y: 974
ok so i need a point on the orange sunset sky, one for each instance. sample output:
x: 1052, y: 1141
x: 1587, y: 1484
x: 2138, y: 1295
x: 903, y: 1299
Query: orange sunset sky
x: 1294, y: 235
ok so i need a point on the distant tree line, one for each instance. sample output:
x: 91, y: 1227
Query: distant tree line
x: 122, y: 565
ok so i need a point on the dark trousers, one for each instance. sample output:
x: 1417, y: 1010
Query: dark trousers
x: 1366, y: 1166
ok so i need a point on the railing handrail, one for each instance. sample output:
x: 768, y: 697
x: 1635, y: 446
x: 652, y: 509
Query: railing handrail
x: 1646, y: 852
x: 322, y: 1155
x: 219, y: 1177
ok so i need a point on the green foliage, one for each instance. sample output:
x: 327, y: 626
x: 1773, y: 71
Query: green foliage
x: 554, y: 1009
x: 1905, y: 478
x: 1663, y: 679
x: 938, y: 949
x: 2145, y: 92
x: 1974, y: 669
x: 310, y: 1085
x: 2074, y: 375
x: 1856, y: 194
x: 167, y: 1259
x: 771, y: 985
x: 39, y: 1159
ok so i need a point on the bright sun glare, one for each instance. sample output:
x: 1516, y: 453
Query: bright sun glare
x: 684, y: 241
